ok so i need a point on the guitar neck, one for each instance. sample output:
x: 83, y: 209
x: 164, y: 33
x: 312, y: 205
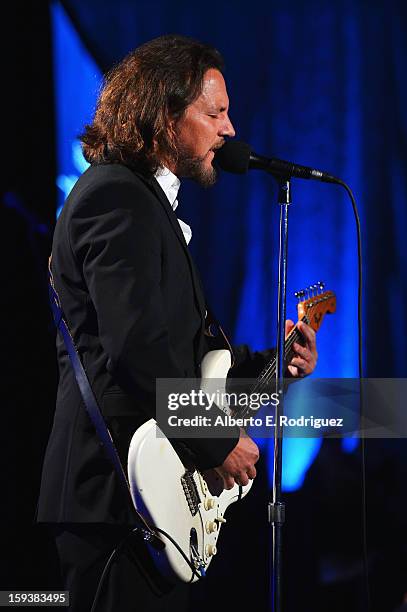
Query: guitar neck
x: 310, y: 311
x: 268, y: 373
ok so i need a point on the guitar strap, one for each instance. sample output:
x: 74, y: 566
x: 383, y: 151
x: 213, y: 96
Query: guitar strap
x: 93, y: 409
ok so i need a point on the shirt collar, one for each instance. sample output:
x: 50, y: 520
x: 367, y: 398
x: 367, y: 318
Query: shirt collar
x: 169, y: 183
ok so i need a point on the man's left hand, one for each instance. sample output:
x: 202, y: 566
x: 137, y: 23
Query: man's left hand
x: 305, y: 357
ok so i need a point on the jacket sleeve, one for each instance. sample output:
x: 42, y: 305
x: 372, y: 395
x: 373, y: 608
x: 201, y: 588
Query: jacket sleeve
x: 115, y: 237
x: 248, y: 363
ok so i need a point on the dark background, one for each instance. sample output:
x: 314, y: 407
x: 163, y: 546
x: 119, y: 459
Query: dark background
x: 321, y: 83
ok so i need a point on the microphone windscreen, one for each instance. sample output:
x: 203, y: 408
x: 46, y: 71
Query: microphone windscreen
x: 234, y: 157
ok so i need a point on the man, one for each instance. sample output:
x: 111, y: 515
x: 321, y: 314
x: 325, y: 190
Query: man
x: 135, y: 307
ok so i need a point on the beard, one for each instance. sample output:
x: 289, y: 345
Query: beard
x: 195, y: 169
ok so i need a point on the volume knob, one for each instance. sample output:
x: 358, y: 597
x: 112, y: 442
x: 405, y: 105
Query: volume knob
x: 210, y: 503
x: 211, y: 550
x: 211, y: 526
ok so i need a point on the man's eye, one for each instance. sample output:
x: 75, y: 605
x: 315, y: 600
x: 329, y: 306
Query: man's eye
x: 213, y: 115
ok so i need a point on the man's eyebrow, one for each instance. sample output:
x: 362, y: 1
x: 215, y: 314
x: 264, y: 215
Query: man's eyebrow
x: 217, y: 109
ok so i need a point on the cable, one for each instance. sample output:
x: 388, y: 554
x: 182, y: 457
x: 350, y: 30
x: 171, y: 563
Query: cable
x: 191, y: 565
x: 359, y: 243
x: 119, y: 548
x: 360, y: 368
x: 106, y: 568
x: 269, y: 372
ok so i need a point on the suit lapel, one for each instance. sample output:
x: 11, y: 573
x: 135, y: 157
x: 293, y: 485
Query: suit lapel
x: 172, y: 217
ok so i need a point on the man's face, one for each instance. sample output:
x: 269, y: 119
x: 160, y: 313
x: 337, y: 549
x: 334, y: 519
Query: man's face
x: 202, y: 129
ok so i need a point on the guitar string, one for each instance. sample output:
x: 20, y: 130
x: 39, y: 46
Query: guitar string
x: 267, y: 375
x: 269, y: 372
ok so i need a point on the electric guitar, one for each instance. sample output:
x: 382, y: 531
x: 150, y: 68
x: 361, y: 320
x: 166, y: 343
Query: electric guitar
x: 184, y: 505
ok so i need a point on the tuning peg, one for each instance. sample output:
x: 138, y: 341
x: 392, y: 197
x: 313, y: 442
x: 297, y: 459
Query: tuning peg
x: 321, y: 286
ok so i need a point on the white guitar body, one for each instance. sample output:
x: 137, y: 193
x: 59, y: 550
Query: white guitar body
x: 186, y: 504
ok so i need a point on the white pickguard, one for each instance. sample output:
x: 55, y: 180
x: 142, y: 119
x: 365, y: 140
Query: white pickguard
x: 159, y: 488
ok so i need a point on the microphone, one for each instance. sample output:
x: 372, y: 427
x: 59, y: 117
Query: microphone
x: 237, y: 157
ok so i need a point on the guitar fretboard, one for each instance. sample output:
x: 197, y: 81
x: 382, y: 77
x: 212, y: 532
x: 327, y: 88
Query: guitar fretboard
x: 267, y: 377
x: 268, y: 373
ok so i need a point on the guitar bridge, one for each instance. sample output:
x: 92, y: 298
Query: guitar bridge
x: 191, y: 492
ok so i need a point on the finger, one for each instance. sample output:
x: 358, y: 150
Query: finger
x: 308, y: 333
x: 288, y: 326
x: 228, y: 482
x: 302, y: 351
x: 293, y: 371
x: 242, y: 479
x: 251, y: 472
x: 301, y: 364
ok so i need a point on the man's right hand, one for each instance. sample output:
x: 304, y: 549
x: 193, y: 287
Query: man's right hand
x: 238, y: 466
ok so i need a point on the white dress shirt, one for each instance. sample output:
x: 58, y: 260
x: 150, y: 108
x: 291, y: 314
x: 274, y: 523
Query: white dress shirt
x: 170, y: 184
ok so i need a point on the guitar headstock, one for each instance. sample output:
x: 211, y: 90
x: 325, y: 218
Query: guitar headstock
x: 316, y: 305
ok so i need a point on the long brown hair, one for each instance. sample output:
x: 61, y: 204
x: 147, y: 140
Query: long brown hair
x: 142, y: 97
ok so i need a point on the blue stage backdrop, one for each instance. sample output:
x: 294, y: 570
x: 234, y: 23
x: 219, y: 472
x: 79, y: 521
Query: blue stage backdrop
x: 76, y: 78
x: 319, y: 83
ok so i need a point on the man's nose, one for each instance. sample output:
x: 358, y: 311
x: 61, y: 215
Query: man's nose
x: 228, y: 129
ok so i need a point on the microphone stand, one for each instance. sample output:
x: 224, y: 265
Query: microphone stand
x: 276, y: 508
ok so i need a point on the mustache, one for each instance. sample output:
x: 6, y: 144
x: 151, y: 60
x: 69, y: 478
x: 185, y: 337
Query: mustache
x: 219, y: 145
x: 184, y: 152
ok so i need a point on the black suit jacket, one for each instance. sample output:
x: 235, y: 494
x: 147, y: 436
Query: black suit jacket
x: 133, y: 301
